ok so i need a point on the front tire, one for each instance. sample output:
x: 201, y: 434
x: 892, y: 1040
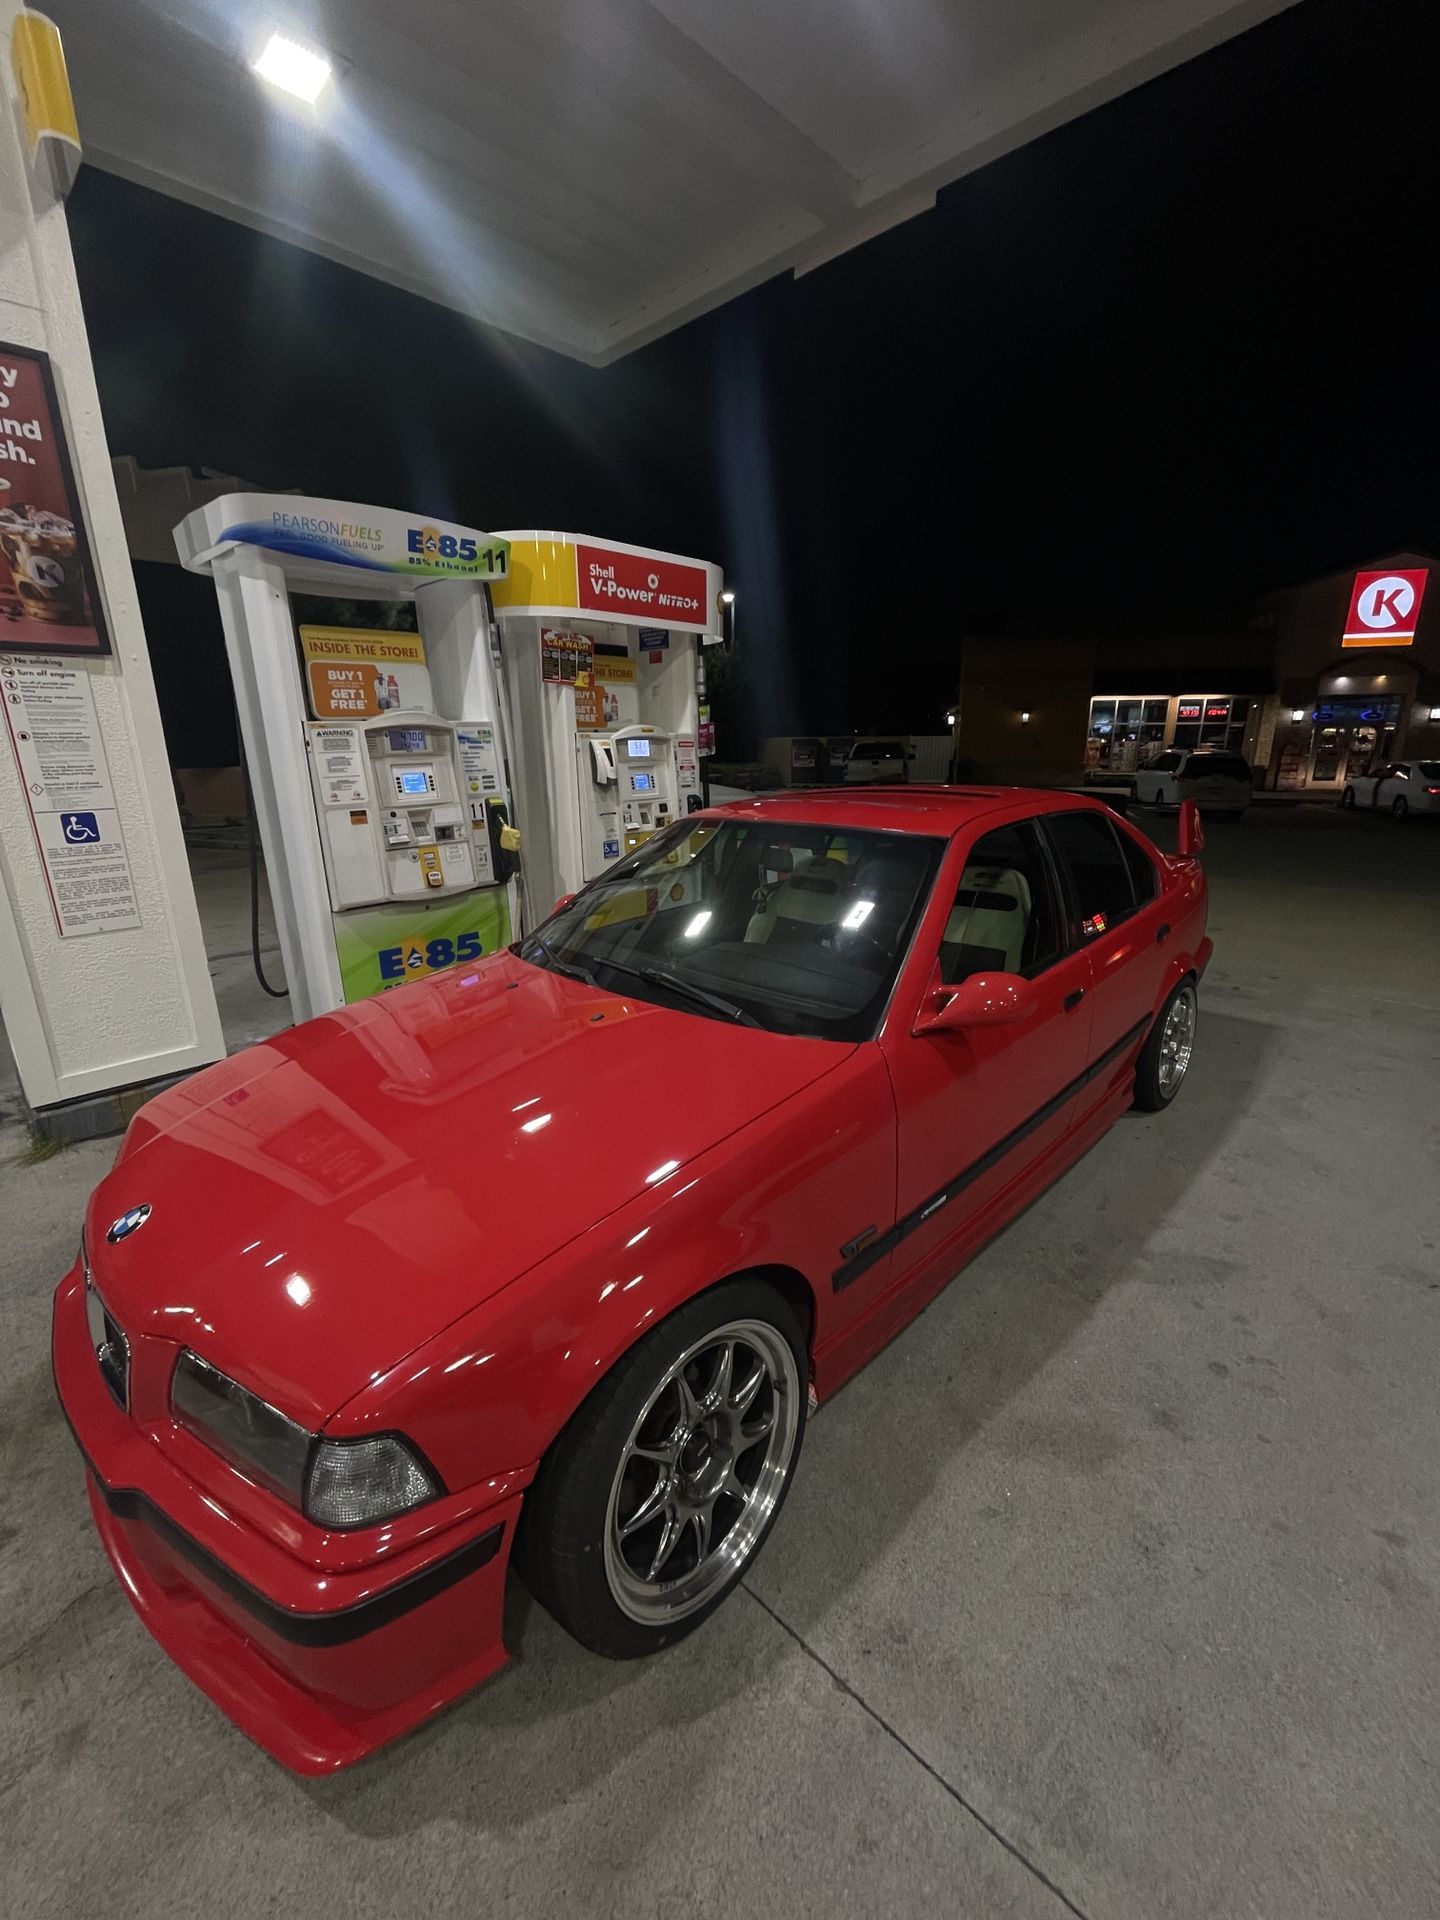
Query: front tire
x: 1165, y: 1058
x: 1347, y: 799
x: 663, y: 1488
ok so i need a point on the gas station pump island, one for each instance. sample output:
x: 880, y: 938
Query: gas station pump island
x: 548, y: 676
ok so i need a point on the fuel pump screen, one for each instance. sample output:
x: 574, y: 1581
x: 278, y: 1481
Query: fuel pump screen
x: 407, y: 740
x: 643, y: 782
x: 637, y: 749
x: 413, y: 780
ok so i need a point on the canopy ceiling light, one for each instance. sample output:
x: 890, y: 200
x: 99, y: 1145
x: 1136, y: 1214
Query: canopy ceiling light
x: 296, y: 70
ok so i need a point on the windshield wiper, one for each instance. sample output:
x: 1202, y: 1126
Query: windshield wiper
x: 567, y: 967
x: 685, y: 990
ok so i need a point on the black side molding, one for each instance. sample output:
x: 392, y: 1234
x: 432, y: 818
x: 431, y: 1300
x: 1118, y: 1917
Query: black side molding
x: 876, y: 1249
x: 303, y: 1629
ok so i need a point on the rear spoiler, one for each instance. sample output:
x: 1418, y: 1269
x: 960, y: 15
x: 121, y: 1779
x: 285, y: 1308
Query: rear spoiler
x: 1191, y: 837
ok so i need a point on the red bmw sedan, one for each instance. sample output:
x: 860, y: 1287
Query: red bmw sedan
x: 550, y: 1256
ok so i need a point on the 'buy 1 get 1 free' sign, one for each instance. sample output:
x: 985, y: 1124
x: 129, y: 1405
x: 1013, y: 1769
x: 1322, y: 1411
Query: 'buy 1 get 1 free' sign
x: 355, y: 673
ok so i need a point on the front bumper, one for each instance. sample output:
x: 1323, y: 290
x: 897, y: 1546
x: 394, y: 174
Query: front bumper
x: 319, y: 1664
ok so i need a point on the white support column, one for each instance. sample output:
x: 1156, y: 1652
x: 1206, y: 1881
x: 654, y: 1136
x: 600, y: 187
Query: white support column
x: 88, y: 1016
x: 260, y: 641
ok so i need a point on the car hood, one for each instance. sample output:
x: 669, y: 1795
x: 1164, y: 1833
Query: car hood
x: 324, y: 1202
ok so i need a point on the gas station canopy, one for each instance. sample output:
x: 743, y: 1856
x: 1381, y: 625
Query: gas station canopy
x: 589, y: 174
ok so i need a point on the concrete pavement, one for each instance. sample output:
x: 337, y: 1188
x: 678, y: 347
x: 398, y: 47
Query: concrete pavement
x: 1110, y: 1588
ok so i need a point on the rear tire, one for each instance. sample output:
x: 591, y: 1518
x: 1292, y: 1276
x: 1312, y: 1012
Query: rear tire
x: 674, y: 1431
x: 1347, y: 798
x: 1165, y: 1058
x: 1400, y: 807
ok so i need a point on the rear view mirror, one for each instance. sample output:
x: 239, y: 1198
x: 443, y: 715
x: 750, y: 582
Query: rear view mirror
x: 984, y: 1000
x: 1192, y: 831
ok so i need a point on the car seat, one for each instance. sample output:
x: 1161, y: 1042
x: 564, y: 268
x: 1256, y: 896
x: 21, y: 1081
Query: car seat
x: 988, y: 923
x: 804, y: 901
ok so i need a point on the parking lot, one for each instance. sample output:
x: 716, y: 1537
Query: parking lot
x: 1109, y: 1589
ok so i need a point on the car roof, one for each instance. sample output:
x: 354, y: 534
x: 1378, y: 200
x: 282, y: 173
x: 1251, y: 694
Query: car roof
x: 910, y: 807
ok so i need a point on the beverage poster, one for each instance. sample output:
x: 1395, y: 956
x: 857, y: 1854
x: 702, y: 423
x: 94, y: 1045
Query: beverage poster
x: 49, y: 602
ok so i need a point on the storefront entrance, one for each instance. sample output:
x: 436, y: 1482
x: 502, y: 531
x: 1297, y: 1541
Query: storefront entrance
x: 1345, y: 737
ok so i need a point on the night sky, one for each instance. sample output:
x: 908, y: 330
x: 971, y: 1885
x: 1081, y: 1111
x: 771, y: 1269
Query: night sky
x: 1174, y: 354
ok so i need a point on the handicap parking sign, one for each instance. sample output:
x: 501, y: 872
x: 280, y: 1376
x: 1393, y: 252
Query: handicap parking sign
x: 80, y: 829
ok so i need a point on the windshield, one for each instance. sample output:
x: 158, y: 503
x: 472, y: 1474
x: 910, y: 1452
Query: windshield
x: 798, y: 929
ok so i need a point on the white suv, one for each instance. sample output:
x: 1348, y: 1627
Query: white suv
x: 1217, y: 782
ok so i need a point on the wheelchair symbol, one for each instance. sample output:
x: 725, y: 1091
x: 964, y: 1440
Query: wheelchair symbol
x: 80, y: 827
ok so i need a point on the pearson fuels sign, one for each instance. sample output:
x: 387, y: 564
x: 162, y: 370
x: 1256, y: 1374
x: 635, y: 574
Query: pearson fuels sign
x: 374, y: 539
x: 633, y: 583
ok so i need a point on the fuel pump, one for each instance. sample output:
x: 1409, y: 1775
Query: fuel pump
x: 375, y: 755
x: 398, y: 808
x: 633, y: 791
x: 601, y: 649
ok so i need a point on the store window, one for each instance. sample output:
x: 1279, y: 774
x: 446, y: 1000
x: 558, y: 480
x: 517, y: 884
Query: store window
x: 1211, y: 720
x: 1126, y: 733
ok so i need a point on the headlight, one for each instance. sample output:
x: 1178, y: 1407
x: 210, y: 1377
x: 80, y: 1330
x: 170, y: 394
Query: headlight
x: 335, y: 1483
x: 251, y: 1434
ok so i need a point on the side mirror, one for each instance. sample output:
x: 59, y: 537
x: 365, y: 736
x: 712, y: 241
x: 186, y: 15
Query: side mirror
x: 984, y: 1000
x: 563, y: 901
x: 1192, y: 830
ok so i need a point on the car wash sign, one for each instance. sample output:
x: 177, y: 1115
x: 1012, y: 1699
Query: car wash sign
x: 1385, y: 608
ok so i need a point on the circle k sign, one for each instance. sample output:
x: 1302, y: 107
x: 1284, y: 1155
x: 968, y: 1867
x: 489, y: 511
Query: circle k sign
x: 1385, y: 608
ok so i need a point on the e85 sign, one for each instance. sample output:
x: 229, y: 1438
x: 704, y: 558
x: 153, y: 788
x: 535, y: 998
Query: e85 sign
x: 414, y: 957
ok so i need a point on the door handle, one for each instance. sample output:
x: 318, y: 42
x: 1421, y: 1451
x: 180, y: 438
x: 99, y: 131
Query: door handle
x: 1162, y: 933
x: 1072, y: 1000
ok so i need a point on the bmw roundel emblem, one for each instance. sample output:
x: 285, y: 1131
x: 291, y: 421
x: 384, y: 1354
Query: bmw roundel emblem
x: 129, y: 1223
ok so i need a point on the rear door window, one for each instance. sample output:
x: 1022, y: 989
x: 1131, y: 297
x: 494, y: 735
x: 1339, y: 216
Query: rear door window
x: 1142, y: 869
x: 1097, y: 875
x: 1217, y: 766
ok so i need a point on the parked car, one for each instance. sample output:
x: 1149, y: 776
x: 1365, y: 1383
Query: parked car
x: 1398, y: 787
x: 555, y: 1252
x: 876, y: 762
x: 1219, y: 783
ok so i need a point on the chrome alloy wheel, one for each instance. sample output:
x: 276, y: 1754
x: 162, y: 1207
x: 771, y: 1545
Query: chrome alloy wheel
x: 1177, y: 1041
x: 702, y: 1471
